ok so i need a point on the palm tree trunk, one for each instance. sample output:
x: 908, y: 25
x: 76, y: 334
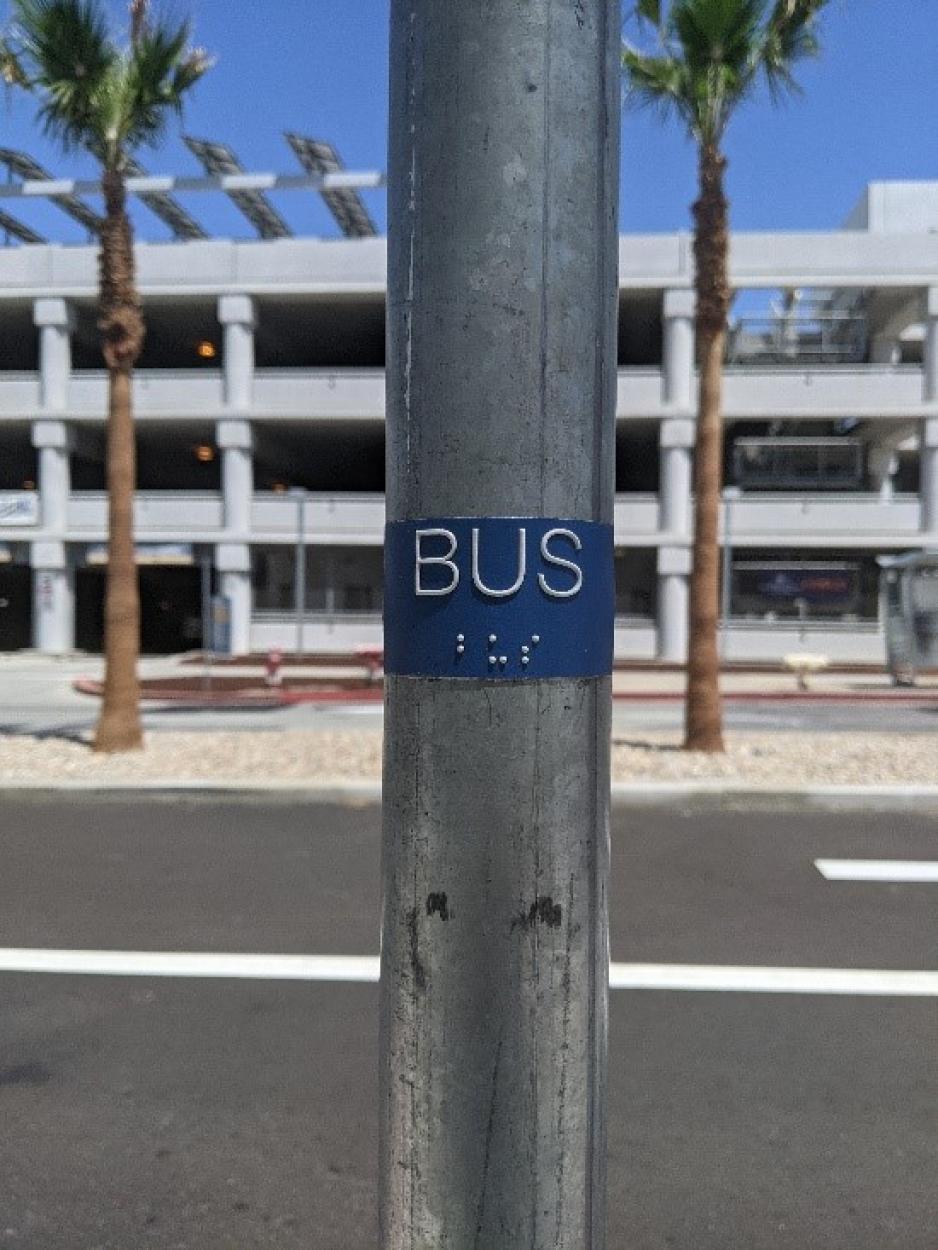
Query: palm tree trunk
x: 121, y: 326
x: 704, y: 712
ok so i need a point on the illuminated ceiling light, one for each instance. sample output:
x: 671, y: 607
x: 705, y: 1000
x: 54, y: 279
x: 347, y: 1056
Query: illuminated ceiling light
x: 206, y: 349
x: 205, y: 453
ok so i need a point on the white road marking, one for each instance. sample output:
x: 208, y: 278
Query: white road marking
x: 192, y: 964
x: 902, y: 870
x: 724, y: 978
x: 715, y: 978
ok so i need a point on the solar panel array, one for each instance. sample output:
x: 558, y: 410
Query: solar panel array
x: 324, y: 172
x: 218, y: 159
x: 18, y: 230
x: 167, y: 208
x: 318, y: 157
x: 23, y: 165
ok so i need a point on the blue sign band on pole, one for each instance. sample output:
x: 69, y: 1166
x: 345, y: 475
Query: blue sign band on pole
x: 503, y: 598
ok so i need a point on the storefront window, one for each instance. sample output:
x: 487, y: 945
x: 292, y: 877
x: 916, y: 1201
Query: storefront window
x: 338, y: 579
x: 784, y: 586
x: 636, y: 582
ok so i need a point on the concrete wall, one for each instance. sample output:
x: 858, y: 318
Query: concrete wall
x: 892, y: 248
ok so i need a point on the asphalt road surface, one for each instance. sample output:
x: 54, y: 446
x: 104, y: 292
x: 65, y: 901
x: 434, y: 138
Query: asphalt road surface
x: 194, y: 1114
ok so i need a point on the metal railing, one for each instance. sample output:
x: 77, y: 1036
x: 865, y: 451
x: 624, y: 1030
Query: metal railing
x: 798, y: 463
x: 827, y: 338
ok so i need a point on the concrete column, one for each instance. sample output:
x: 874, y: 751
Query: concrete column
x: 676, y: 443
x: 674, y: 564
x: 53, y: 598
x: 929, y: 439
x: 678, y: 355
x: 233, y: 562
x: 238, y: 317
x: 235, y: 440
x: 55, y: 322
x: 929, y: 475
x: 234, y: 436
x: 54, y: 441
x: 675, y: 482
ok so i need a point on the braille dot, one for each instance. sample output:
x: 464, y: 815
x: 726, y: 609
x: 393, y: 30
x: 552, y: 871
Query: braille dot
x: 493, y: 638
x: 535, y: 638
x: 460, y: 637
x: 492, y: 660
x: 503, y: 659
x: 460, y: 649
x: 525, y: 650
x: 525, y: 659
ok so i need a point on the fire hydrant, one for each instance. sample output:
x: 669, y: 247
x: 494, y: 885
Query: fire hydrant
x: 273, y: 675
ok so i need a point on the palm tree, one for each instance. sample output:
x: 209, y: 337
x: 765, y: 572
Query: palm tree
x: 97, y: 93
x: 711, y: 55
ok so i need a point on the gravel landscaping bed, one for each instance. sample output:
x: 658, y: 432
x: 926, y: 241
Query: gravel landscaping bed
x: 770, y: 759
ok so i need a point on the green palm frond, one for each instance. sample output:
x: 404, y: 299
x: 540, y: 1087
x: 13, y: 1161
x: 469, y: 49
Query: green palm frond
x: 93, y: 92
x: 717, y: 33
x: 66, y: 55
x: 160, y: 71
x: 790, y: 37
x: 712, y: 54
x: 656, y: 82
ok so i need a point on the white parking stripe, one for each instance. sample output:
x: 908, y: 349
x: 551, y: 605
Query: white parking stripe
x: 902, y: 870
x: 714, y: 978
x: 192, y: 964
x: 724, y: 978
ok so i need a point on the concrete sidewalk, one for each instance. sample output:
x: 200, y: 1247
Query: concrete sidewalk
x: 349, y: 680
x: 34, y: 683
x: 651, y: 683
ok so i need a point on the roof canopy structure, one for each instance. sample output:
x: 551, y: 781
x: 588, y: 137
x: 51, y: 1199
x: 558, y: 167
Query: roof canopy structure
x: 218, y: 159
x: 324, y: 173
x: 31, y: 172
x: 167, y: 208
x: 345, y: 204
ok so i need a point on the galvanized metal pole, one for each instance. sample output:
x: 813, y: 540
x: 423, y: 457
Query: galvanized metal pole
x: 498, y: 630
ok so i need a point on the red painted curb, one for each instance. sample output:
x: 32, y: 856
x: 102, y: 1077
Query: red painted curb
x: 368, y: 695
x: 194, y: 698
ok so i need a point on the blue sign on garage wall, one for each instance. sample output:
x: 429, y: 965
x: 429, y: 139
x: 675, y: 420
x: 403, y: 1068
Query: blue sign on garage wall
x: 498, y: 597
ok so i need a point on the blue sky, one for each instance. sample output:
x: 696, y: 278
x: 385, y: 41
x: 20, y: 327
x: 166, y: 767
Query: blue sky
x: 869, y: 111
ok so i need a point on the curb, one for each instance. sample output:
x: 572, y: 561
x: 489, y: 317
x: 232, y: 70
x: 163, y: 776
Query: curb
x: 198, y: 699
x: 785, y: 696
x: 341, y: 793
x: 634, y: 794
x: 192, y: 700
